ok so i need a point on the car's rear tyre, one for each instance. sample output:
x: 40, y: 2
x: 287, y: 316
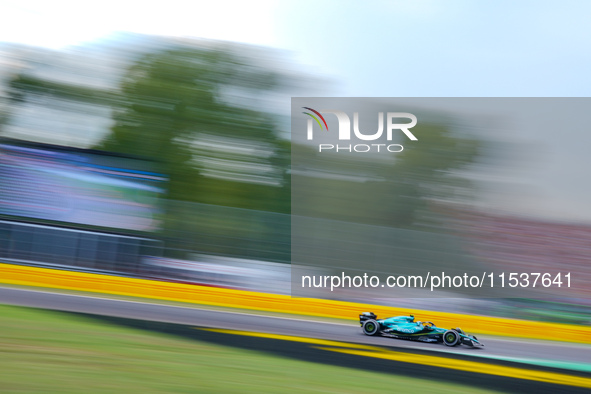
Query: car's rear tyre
x: 371, y: 327
x: 451, y: 338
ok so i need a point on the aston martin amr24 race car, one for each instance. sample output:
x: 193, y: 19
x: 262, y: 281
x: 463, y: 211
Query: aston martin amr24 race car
x: 405, y: 327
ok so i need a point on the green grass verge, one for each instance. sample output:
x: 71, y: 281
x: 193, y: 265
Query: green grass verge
x: 43, y: 351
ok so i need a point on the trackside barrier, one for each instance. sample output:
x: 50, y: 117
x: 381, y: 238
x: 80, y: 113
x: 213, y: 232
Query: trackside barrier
x: 61, y: 279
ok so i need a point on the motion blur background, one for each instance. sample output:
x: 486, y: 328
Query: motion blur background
x: 154, y: 140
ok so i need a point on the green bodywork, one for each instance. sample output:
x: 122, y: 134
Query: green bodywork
x: 405, y: 327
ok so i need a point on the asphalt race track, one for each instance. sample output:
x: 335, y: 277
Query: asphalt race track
x: 551, y: 362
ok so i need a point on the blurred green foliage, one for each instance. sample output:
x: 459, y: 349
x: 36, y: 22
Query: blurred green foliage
x: 174, y: 99
x: 394, y: 190
x: 23, y: 85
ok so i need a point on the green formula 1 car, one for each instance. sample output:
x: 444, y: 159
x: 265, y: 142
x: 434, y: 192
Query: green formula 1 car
x: 405, y: 327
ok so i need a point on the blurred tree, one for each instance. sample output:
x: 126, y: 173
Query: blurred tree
x: 426, y: 172
x: 392, y: 191
x: 179, y: 106
x: 23, y: 85
x: 4, y: 114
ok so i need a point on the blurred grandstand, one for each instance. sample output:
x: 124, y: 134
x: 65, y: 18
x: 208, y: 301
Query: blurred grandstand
x: 513, y: 244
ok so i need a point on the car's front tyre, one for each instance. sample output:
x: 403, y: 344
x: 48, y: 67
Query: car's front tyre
x: 371, y: 327
x: 451, y: 338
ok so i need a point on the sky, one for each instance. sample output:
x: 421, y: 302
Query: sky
x: 376, y: 48
x: 61, y: 23
x: 390, y: 48
x: 447, y: 48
